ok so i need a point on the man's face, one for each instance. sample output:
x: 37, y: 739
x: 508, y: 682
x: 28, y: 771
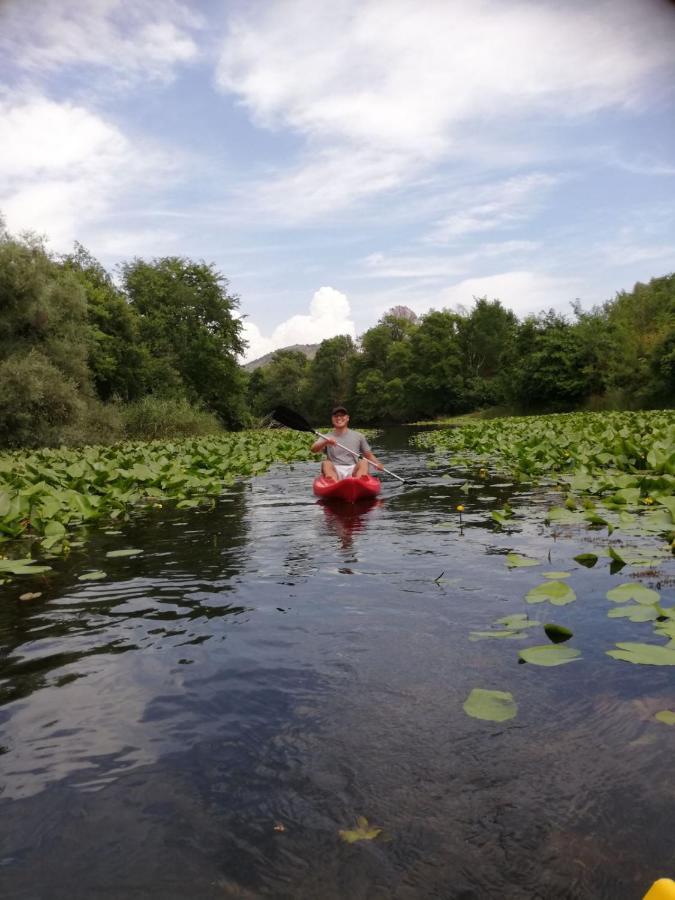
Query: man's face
x: 340, y: 419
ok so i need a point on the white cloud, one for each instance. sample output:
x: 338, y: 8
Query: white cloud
x: 329, y: 315
x: 489, y: 207
x: 522, y: 291
x: 62, y: 167
x: 140, y: 38
x: 391, y: 86
x: 379, y: 265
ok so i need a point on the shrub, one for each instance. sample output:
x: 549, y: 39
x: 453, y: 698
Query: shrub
x: 154, y: 417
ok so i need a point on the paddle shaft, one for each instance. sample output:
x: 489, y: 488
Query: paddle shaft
x: 358, y: 455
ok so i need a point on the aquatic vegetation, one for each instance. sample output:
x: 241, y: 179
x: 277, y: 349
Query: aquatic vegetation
x: 364, y: 831
x: 667, y: 716
x: 516, y: 560
x: 493, y: 706
x: 549, y: 655
x: 43, y: 494
x: 616, y: 470
x: 557, y: 634
x: 556, y: 592
x: 644, y: 654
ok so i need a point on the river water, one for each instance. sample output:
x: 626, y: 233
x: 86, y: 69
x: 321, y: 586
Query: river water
x: 205, y: 720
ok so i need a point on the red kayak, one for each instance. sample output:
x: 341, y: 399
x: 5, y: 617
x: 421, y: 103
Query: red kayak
x: 348, y: 490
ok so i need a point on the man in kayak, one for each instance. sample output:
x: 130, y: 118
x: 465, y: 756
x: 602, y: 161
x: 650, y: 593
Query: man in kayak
x: 340, y: 463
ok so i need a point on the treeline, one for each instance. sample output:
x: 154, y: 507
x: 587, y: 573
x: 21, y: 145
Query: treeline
x: 85, y: 358
x: 620, y: 355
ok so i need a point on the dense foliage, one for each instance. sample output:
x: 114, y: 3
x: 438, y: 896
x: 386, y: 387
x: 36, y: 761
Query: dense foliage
x: 85, y: 358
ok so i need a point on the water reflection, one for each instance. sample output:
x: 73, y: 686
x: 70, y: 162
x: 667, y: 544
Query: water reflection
x: 344, y: 519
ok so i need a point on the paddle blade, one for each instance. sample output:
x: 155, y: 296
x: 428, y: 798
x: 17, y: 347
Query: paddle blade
x: 290, y: 419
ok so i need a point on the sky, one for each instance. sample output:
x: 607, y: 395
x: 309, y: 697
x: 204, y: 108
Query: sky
x: 334, y: 160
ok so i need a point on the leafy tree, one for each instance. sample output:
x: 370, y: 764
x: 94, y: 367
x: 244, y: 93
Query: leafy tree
x: 187, y: 322
x: 120, y: 365
x: 281, y: 382
x: 330, y: 376
x: 436, y: 385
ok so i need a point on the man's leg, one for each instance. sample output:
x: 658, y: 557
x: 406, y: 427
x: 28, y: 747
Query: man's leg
x: 328, y: 470
x: 361, y: 468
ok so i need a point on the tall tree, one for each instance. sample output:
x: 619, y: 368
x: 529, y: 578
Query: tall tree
x: 188, y: 323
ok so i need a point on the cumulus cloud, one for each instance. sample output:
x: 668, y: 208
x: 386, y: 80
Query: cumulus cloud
x: 62, y: 166
x: 140, y: 39
x: 329, y: 315
x: 403, y: 85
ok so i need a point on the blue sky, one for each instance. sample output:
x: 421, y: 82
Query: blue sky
x: 335, y: 160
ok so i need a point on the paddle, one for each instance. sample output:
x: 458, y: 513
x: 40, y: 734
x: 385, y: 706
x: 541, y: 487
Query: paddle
x: 294, y: 420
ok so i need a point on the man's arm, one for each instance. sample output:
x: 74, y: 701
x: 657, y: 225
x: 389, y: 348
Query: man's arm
x: 369, y: 455
x: 320, y: 445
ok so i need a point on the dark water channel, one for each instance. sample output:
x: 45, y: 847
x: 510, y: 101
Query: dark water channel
x: 205, y: 720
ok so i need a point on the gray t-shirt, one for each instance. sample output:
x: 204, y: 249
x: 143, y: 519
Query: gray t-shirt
x: 352, y: 439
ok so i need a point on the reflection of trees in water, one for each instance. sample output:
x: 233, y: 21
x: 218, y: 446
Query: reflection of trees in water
x: 190, y: 557
x: 344, y: 519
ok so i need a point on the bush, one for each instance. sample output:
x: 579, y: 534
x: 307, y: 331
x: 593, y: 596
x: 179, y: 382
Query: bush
x: 99, y: 423
x: 154, y: 417
x: 38, y: 404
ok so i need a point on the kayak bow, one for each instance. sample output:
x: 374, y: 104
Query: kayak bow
x: 347, y: 489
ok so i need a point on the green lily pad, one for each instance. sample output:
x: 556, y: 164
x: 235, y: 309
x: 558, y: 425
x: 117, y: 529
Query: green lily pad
x: 493, y: 706
x: 557, y: 634
x: 634, y: 613
x: 556, y: 575
x: 515, y: 560
x: 517, y: 621
x: 667, y: 716
x: 484, y: 635
x: 92, y: 576
x: 128, y: 552
x: 549, y: 655
x: 644, y: 654
x: 556, y: 592
x: 586, y: 559
x: 363, y: 831
x: 629, y: 591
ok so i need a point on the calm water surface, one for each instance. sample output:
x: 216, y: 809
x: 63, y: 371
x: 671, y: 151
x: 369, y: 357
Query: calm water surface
x: 205, y: 720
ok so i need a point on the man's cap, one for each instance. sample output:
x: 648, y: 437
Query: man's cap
x: 339, y: 409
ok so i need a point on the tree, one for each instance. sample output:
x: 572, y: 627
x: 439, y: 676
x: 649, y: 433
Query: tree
x: 187, y: 322
x: 120, y: 365
x: 330, y: 376
x: 281, y: 382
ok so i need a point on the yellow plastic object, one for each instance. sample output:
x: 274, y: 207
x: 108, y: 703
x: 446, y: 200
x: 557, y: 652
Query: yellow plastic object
x: 663, y: 889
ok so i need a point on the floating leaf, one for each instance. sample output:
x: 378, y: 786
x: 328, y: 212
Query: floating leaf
x: 558, y: 634
x: 517, y: 621
x: 483, y: 635
x: 634, y: 613
x: 586, y: 559
x: 92, y: 576
x: 556, y: 592
x: 644, y: 654
x: 515, y: 560
x: 363, y: 831
x: 556, y: 575
x: 493, y: 706
x: 629, y: 591
x: 128, y: 552
x: 667, y: 716
x: 30, y: 596
x: 549, y: 655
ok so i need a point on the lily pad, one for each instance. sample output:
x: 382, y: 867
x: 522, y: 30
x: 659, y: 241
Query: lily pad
x: 634, y: 613
x: 549, y: 655
x: 517, y: 621
x: 633, y: 591
x: 556, y: 575
x: 556, y: 592
x: 29, y: 596
x: 667, y: 716
x: 586, y: 559
x: 363, y: 831
x: 128, y: 552
x: 515, y: 560
x: 493, y: 706
x: 644, y: 654
x: 484, y: 635
x: 92, y: 576
x: 557, y: 634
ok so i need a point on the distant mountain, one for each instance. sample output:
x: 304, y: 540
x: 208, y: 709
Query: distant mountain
x: 308, y: 349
